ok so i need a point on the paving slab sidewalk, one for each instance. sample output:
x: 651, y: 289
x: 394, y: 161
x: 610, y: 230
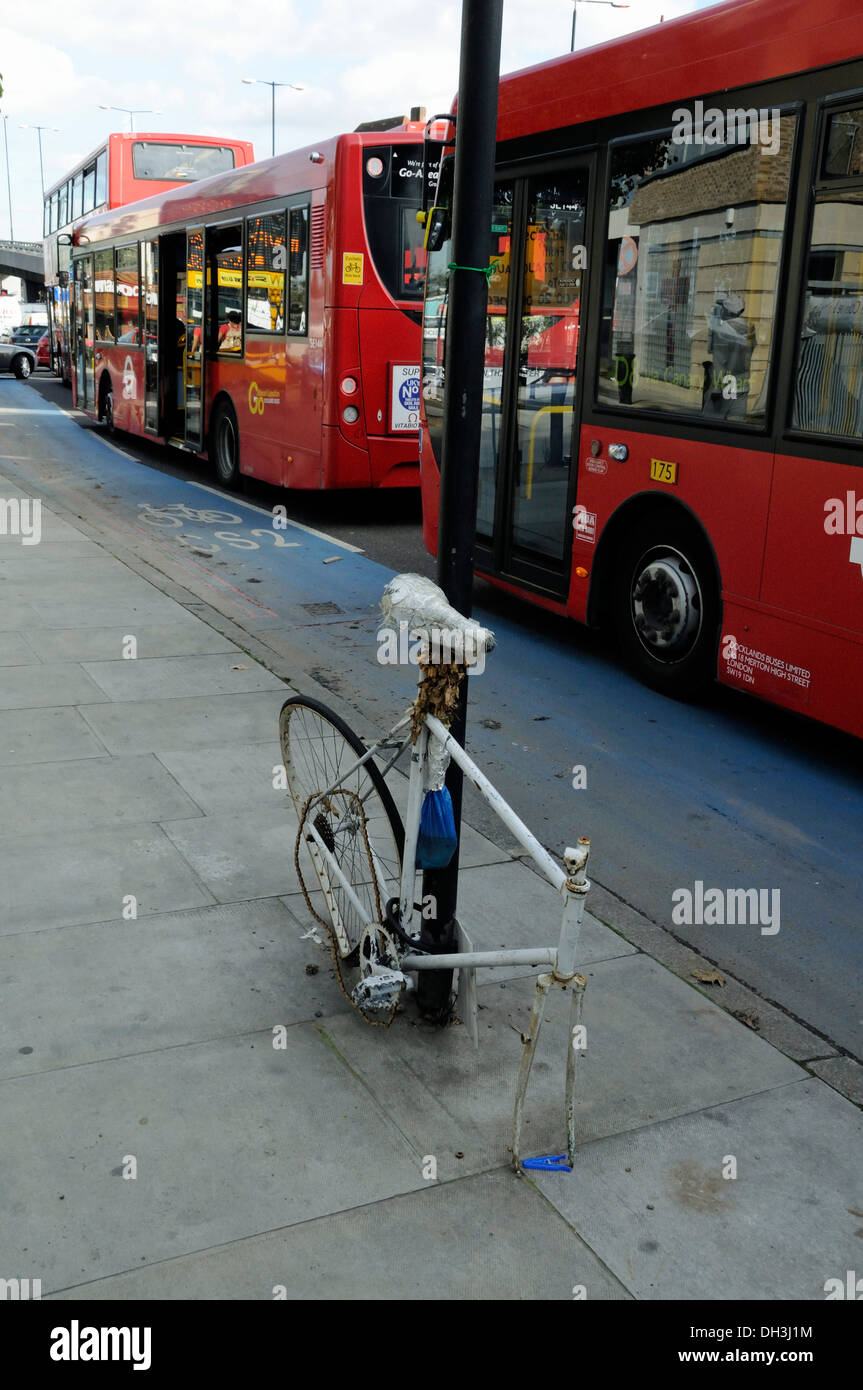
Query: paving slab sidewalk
x: 154, y: 945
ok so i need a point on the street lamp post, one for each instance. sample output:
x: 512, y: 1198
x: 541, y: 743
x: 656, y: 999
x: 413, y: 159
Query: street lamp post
x: 613, y: 4
x: 138, y: 111
x: 272, y: 85
x: 8, y: 177
x: 39, y: 129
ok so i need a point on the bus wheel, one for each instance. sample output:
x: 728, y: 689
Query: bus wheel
x: 666, y: 606
x: 225, y: 445
x: 22, y: 366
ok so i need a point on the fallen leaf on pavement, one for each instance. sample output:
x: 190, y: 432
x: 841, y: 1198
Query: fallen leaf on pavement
x: 708, y: 977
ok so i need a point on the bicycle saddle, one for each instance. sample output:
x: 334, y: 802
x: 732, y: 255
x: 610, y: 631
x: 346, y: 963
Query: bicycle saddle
x: 417, y: 601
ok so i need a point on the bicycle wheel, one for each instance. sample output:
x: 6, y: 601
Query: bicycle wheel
x: 319, y: 749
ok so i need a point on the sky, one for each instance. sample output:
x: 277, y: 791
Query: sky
x: 355, y: 59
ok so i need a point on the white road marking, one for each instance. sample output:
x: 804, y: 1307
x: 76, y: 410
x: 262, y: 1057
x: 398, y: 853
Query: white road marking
x: 309, y: 530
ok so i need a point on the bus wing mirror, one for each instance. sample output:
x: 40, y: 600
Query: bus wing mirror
x: 437, y: 228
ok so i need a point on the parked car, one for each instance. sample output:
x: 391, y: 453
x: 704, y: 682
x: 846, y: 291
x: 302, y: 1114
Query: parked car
x: 27, y: 333
x: 18, y: 358
x: 43, y: 350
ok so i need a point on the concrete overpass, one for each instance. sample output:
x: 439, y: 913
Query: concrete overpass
x: 25, y: 259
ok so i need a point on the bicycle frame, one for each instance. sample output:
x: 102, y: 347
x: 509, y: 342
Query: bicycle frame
x: 571, y: 882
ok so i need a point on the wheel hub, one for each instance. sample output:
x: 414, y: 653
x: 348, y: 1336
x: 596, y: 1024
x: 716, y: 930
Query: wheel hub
x: 666, y: 605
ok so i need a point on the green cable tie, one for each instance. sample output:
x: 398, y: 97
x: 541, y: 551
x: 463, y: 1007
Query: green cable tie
x: 486, y: 270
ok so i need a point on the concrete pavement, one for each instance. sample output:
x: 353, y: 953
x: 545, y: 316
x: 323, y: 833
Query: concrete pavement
x: 152, y: 937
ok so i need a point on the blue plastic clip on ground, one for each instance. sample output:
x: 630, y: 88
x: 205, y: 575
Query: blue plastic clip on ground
x: 549, y: 1163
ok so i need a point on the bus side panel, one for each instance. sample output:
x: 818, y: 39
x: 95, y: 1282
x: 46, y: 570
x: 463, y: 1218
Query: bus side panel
x: 814, y: 565
x: 792, y: 664
x: 124, y: 363
x: 255, y: 390
x: 711, y: 480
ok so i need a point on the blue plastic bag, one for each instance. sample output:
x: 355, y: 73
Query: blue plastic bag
x: 437, y: 840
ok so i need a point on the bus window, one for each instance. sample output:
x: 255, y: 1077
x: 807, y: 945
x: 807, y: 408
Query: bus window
x: 225, y: 246
x: 62, y: 218
x: 104, y: 296
x: 392, y: 194
x: 695, y: 235
x: 77, y: 193
x: 298, y: 263
x: 179, y: 163
x: 843, y: 148
x: 101, y: 178
x: 266, y: 262
x: 828, y: 397
x: 434, y: 338
x: 554, y: 263
x: 89, y: 189
x: 128, y: 294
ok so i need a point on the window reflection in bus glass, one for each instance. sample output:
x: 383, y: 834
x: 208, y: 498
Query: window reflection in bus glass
x: 128, y: 295
x: 843, y: 150
x: 554, y: 263
x: 104, y: 296
x: 828, y: 394
x: 695, y: 235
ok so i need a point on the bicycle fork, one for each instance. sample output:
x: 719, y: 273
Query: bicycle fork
x: 564, y: 977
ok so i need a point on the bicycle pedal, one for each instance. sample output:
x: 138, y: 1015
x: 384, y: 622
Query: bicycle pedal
x: 378, y: 993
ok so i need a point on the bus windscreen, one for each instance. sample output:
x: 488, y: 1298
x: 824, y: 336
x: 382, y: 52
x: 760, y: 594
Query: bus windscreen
x: 392, y: 195
x: 179, y: 163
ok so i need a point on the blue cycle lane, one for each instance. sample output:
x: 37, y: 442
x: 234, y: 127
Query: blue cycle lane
x: 675, y: 795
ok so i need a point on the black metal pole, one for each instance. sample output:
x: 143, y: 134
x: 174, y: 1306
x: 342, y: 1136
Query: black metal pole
x: 473, y: 186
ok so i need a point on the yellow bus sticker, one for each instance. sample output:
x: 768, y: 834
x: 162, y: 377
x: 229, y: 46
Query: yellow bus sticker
x: 663, y: 472
x: 352, y: 268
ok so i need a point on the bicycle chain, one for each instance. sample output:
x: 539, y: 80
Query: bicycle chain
x: 328, y: 928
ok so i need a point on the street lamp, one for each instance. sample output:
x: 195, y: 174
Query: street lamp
x: 8, y: 178
x: 138, y: 111
x: 273, y: 85
x: 39, y: 129
x: 613, y: 4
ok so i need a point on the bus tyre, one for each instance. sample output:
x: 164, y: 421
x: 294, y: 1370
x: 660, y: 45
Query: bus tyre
x: 666, y: 605
x: 22, y: 366
x: 225, y: 445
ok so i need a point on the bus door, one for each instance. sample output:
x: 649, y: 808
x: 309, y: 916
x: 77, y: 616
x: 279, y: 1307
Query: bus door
x: 150, y: 293
x: 85, y: 333
x: 193, y: 367
x: 532, y: 381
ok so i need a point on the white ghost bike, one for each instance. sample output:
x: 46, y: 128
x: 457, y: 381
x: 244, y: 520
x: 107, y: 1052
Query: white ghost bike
x: 364, y: 858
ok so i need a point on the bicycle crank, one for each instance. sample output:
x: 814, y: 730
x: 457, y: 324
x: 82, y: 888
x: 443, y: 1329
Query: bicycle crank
x: 379, y: 990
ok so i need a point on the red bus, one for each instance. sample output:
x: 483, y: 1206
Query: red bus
x: 678, y: 224
x: 268, y: 319
x: 127, y: 167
